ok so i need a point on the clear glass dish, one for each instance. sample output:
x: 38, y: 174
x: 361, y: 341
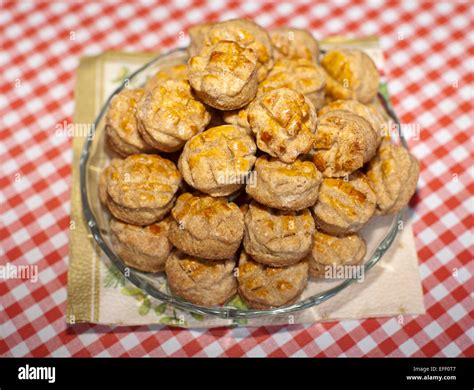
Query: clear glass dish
x: 378, y: 234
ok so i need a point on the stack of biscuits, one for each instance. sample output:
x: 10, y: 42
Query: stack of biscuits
x: 252, y: 167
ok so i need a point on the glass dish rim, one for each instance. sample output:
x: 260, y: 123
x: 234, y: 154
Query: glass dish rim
x: 224, y: 312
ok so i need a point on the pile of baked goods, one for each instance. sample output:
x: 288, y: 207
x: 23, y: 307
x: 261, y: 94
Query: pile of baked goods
x: 252, y: 167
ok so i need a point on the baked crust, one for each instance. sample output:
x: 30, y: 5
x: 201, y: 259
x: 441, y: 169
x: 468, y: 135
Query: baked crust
x: 246, y: 33
x: 277, y: 238
x: 301, y: 75
x: 224, y: 75
x: 237, y: 117
x: 293, y: 186
x: 351, y: 74
x: 378, y: 122
x: 344, y: 206
x: 379, y: 108
x: 344, y: 142
x: 169, y: 115
x: 294, y: 43
x: 206, y: 227
x: 170, y: 72
x: 264, y: 287
x: 332, y: 251
x: 304, y: 76
x: 393, y: 174
x: 144, y: 248
x: 218, y: 161
x: 197, y: 34
x: 121, y: 126
x: 284, y: 122
x: 140, y: 189
x: 200, y: 281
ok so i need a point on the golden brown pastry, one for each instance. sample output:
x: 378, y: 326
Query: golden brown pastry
x: 197, y: 34
x: 206, y: 227
x: 169, y: 115
x: 284, y: 122
x: 140, y: 189
x: 228, y: 59
x: 246, y: 33
x: 224, y: 75
x: 368, y: 112
x: 331, y: 251
x: 393, y: 174
x: 200, y: 281
x: 351, y: 74
x: 144, y: 248
x: 218, y: 161
x: 292, y: 186
x: 294, y: 43
x: 378, y: 107
x: 237, y: 117
x: 302, y: 75
x: 170, y: 72
x: 344, y: 206
x: 344, y: 143
x: 121, y: 125
x: 264, y: 287
x: 275, y: 237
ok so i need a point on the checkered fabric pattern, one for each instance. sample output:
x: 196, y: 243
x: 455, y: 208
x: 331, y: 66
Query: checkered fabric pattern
x: 429, y: 48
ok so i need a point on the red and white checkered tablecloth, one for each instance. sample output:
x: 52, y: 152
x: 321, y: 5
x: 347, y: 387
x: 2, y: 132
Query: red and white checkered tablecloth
x: 429, y: 50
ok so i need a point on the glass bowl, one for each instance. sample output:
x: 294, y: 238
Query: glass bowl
x: 378, y: 234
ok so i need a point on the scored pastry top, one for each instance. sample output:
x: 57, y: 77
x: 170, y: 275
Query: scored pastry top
x: 218, y: 160
x: 142, y: 180
x: 284, y: 122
